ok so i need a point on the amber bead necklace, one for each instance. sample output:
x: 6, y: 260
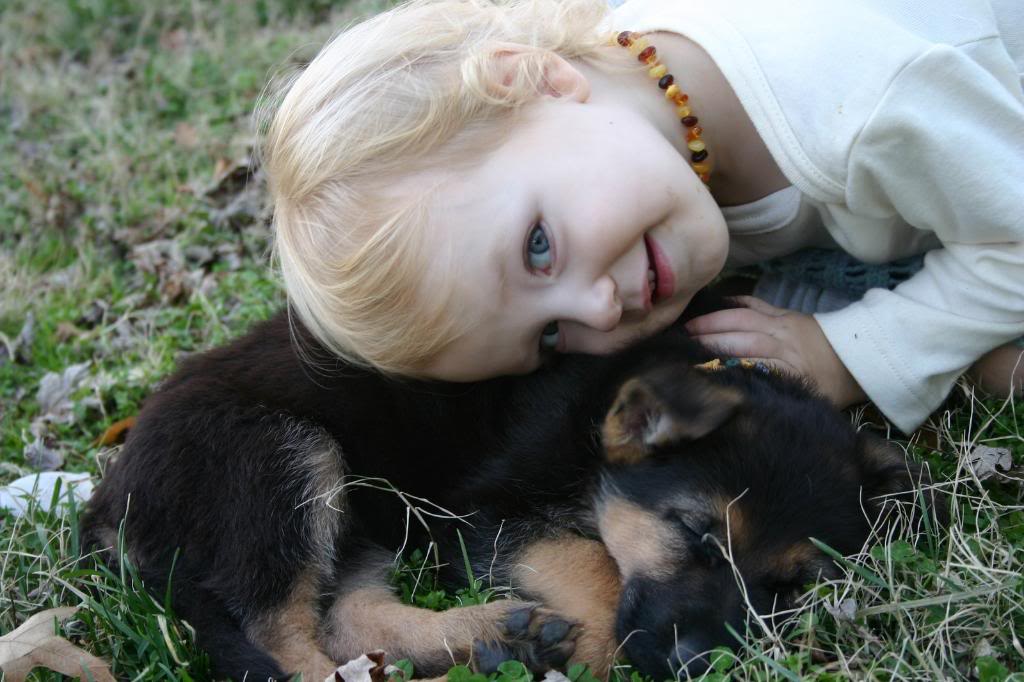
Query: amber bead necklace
x: 648, y: 54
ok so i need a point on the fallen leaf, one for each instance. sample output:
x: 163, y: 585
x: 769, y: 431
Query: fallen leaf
x: 185, y: 135
x: 554, y: 676
x: 846, y: 610
x: 41, y: 457
x: 20, y: 349
x: 166, y: 259
x: 116, y: 432
x: 55, y: 390
x: 988, y: 461
x: 367, y: 668
x: 26, y: 337
x: 66, y: 331
x: 230, y: 254
x: 230, y: 177
x: 199, y: 255
x: 93, y: 313
x: 33, y: 644
x: 158, y: 256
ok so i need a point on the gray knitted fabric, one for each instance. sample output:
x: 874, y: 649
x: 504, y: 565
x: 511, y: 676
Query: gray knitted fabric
x: 833, y: 269
x: 822, y: 280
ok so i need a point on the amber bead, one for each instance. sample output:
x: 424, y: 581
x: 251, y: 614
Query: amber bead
x: 701, y: 167
x: 690, y: 121
x: 705, y: 178
x: 625, y: 39
x: 672, y: 90
x: 694, y: 133
x: 696, y: 145
x: 666, y: 81
x: 697, y: 157
x: 680, y: 98
x: 638, y: 45
x: 657, y: 71
x: 647, y: 54
x: 682, y: 111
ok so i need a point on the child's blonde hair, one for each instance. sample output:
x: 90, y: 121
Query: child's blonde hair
x: 407, y: 90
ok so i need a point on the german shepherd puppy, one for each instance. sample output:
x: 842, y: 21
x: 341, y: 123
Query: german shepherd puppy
x: 619, y: 494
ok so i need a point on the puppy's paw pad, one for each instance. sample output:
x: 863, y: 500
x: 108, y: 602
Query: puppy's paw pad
x: 537, y: 636
x: 517, y: 623
x: 554, y: 632
x: 487, y: 656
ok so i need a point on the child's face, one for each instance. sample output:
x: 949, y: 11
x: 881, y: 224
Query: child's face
x: 554, y: 236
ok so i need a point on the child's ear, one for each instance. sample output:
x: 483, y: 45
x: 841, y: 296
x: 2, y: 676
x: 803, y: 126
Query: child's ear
x: 662, y: 407
x: 553, y: 75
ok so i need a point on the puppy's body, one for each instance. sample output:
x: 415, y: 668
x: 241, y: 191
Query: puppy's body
x: 248, y: 463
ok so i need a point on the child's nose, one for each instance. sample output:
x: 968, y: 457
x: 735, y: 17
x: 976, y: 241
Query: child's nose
x: 599, y: 307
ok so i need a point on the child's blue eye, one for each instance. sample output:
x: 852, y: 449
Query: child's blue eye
x: 538, y: 249
x: 549, y: 336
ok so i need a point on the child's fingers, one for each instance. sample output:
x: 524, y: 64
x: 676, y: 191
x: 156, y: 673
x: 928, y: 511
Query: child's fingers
x: 731, y: 320
x: 754, y: 303
x: 744, y: 344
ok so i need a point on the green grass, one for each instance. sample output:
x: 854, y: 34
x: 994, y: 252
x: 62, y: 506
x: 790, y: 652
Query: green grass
x: 117, y: 121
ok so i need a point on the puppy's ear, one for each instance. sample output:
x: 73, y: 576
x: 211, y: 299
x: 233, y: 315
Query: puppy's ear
x: 886, y: 472
x: 664, y: 406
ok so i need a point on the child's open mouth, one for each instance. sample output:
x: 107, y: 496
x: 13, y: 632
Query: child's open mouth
x: 652, y: 283
x: 660, y: 279
x: 652, y: 272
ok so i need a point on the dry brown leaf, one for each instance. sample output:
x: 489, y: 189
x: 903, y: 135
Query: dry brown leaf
x: 66, y: 331
x: 988, y: 461
x: 41, y: 457
x: 185, y: 135
x: 367, y: 668
x: 229, y: 178
x: 54, y: 393
x: 33, y: 645
x: 116, y: 432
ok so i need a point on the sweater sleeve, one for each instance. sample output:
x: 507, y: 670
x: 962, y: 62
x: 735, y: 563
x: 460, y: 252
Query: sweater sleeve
x: 944, y: 152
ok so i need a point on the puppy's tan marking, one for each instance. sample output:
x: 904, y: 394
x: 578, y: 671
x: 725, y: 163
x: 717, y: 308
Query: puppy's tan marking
x: 578, y: 579
x: 622, y: 432
x: 795, y: 558
x: 290, y: 633
x: 638, y: 540
x: 368, y: 615
x: 734, y: 526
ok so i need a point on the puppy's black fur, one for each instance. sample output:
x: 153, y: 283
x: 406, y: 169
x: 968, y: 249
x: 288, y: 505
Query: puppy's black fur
x: 244, y: 462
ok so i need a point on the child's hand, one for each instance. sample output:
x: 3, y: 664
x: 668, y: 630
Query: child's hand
x: 788, y: 340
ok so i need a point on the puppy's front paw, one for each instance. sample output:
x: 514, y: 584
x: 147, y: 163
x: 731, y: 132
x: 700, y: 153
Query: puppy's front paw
x: 532, y: 634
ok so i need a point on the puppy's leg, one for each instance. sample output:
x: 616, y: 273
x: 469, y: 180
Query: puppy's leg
x: 368, y: 615
x: 577, y: 578
x: 289, y: 633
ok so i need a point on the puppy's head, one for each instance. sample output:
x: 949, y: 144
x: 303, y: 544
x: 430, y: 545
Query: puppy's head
x: 714, y: 473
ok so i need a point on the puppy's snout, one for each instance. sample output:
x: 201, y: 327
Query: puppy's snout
x: 692, y: 655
